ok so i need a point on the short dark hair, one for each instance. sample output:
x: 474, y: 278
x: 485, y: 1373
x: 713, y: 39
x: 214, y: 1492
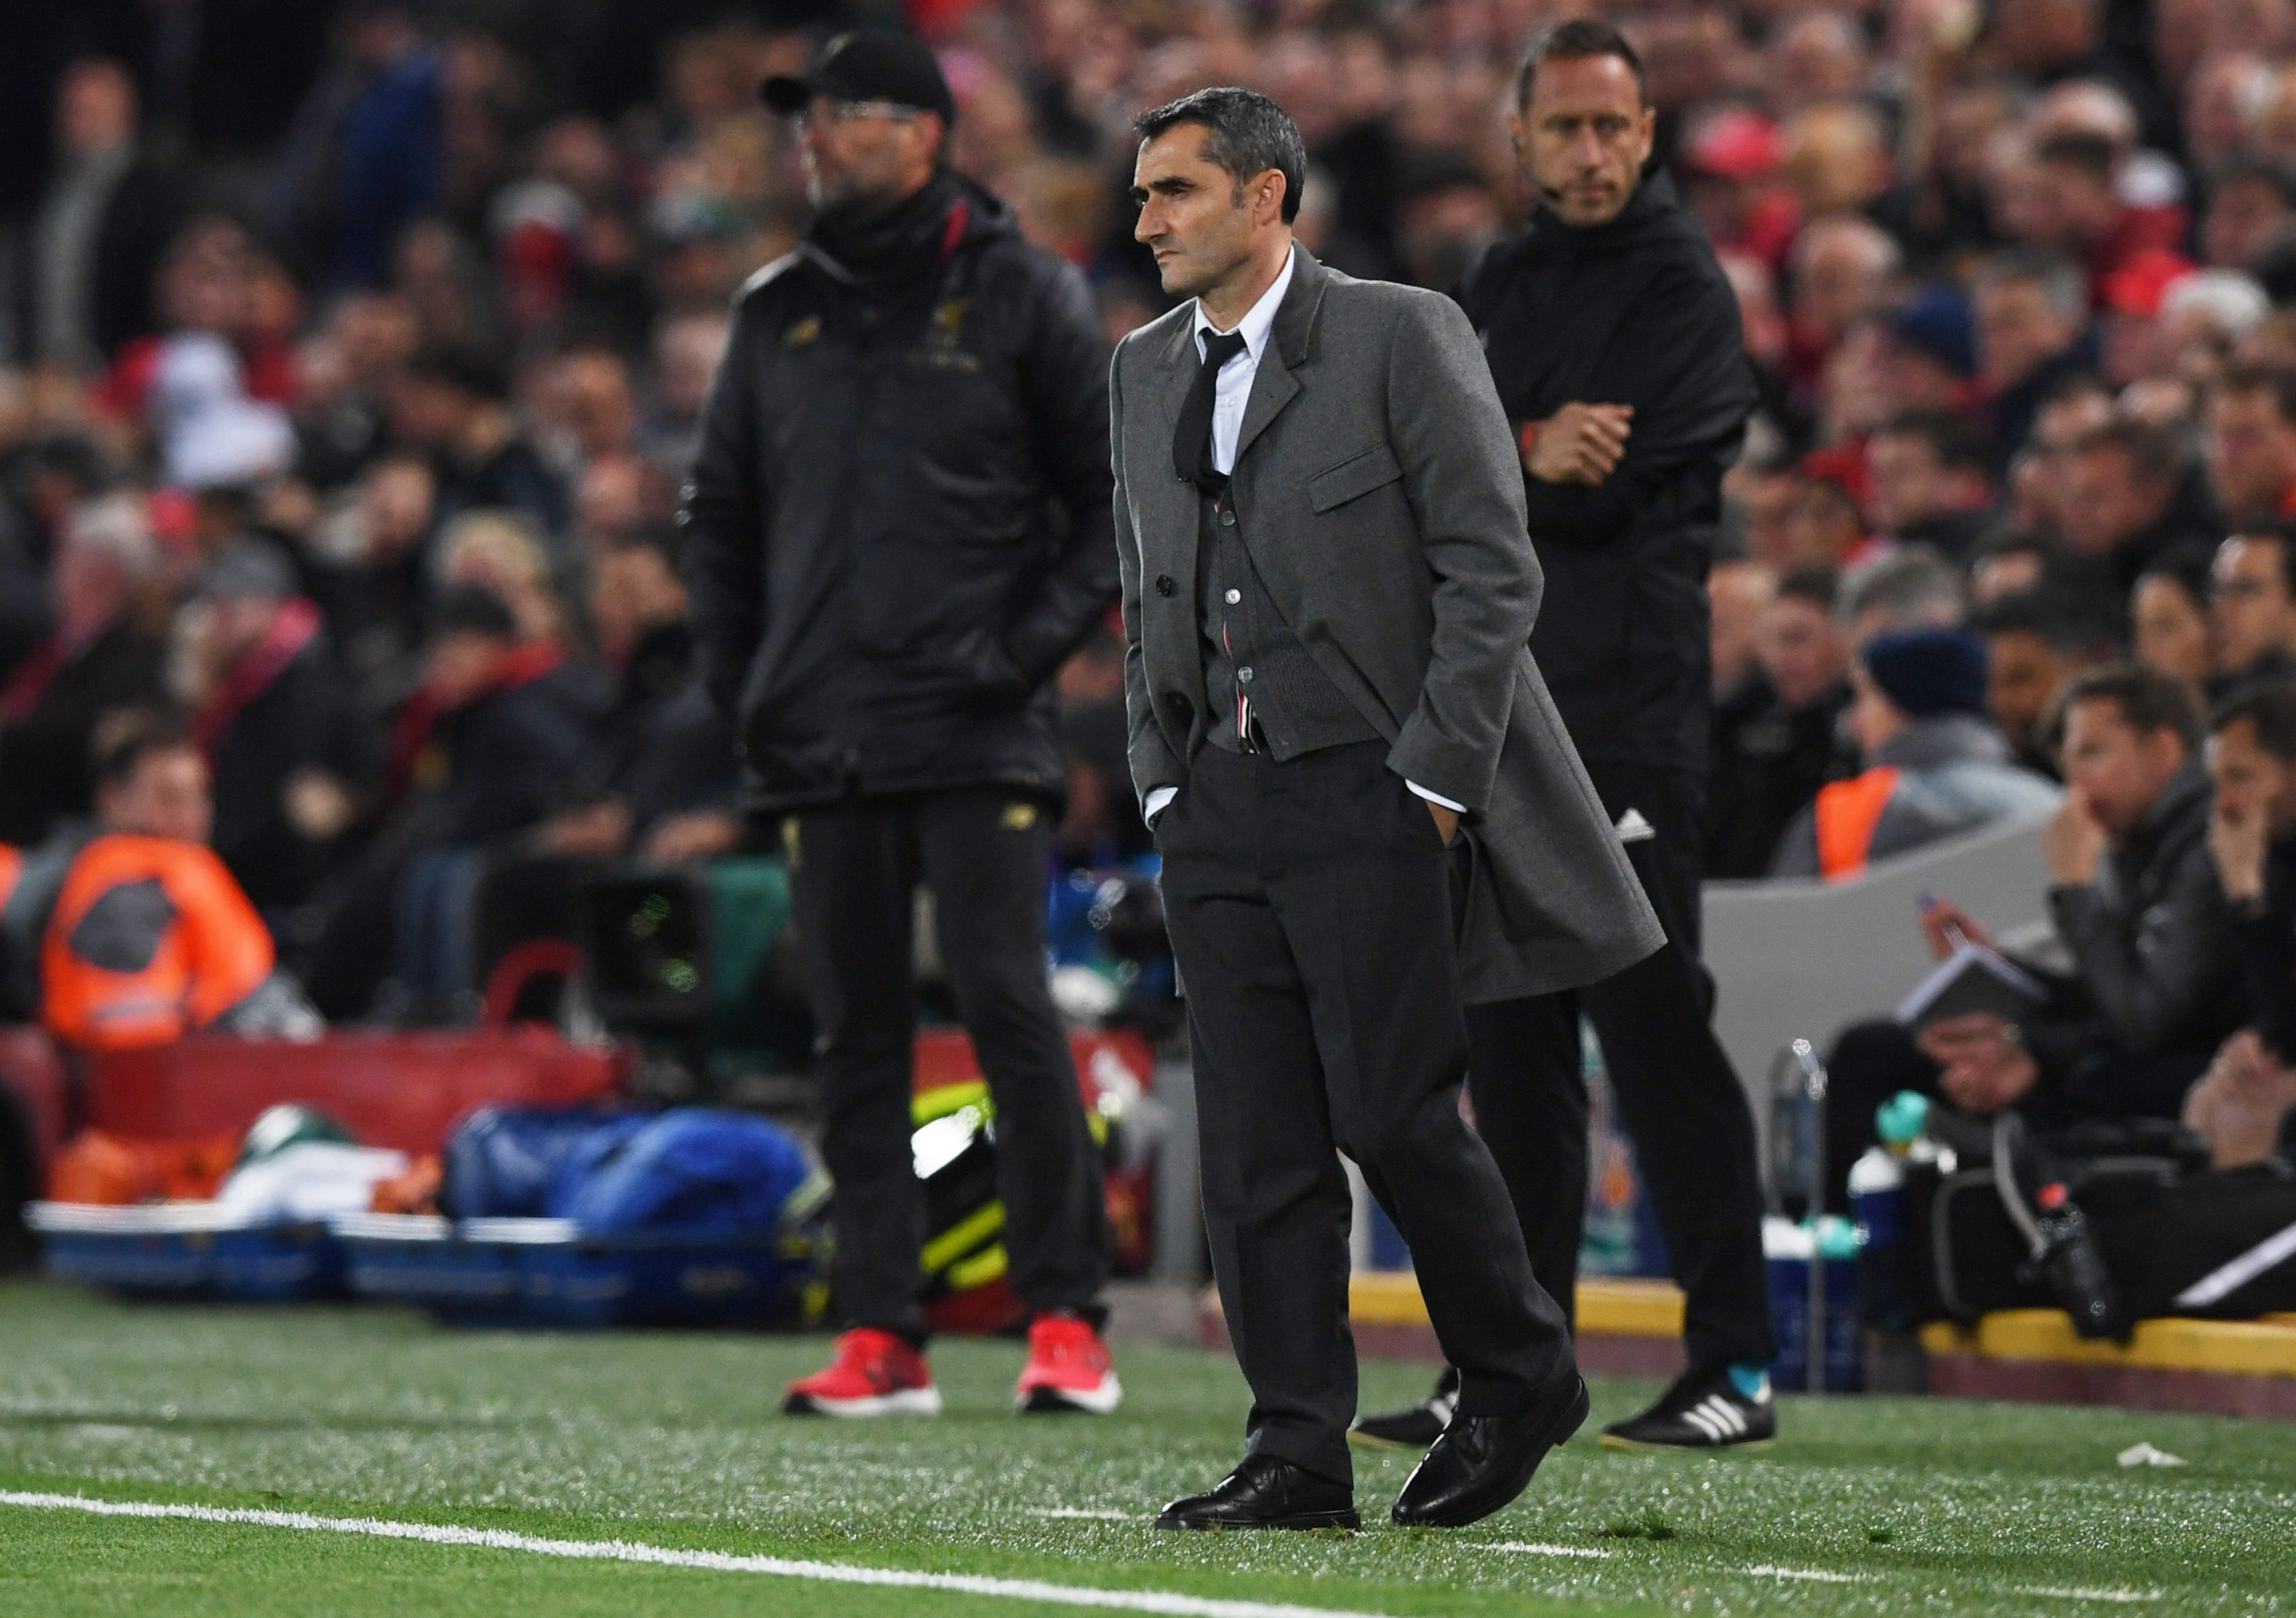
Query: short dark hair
x: 2148, y: 700
x: 472, y: 609
x: 1577, y: 40
x: 2009, y: 540
x: 2270, y: 707
x: 1952, y: 438
x: 126, y: 737
x: 2154, y: 455
x: 464, y: 368
x: 2243, y: 167
x: 2064, y: 285
x: 2093, y: 155
x: 2278, y: 381
x: 1249, y: 135
x: 2057, y: 616
x: 2187, y: 567
x: 1818, y: 585
x: 2282, y: 537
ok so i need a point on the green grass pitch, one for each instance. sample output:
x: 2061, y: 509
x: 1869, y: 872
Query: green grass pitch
x: 1864, y: 1506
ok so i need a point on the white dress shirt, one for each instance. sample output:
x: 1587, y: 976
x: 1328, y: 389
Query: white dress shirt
x: 1232, y: 392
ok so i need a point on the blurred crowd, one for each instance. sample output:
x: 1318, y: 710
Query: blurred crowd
x: 347, y: 423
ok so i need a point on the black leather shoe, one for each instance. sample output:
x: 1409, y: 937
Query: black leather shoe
x: 1481, y: 1463
x: 1266, y: 1493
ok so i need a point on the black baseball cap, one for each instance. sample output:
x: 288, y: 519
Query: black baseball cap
x: 867, y: 64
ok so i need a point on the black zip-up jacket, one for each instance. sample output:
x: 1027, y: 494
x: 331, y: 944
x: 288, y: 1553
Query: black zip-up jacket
x: 899, y: 521
x: 1635, y: 312
x: 2153, y: 939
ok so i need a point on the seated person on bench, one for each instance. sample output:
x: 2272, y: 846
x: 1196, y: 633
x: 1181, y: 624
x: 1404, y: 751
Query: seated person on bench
x: 1936, y: 766
x: 2156, y: 983
x: 128, y: 931
x: 2246, y: 1106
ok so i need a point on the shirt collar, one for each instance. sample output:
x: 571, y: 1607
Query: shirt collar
x: 1259, y: 320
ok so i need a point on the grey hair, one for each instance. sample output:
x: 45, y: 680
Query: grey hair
x: 1915, y: 587
x: 2063, y: 283
x: 1249, y: 135
x: 2233, y: 303
x: 113, y: 526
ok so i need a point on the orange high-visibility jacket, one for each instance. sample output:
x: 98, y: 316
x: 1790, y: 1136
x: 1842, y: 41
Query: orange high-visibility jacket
x: 1848, y: 814
x: 151, y: 939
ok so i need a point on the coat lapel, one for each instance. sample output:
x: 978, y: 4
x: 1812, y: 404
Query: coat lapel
x: 1168, y: 501
x: 1274, y: 386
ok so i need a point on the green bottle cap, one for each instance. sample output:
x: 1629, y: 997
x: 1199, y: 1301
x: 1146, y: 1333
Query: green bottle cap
x: 1901, y: 1120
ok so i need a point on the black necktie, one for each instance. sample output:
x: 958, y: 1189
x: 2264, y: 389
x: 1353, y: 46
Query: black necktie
x: 1192, y: 440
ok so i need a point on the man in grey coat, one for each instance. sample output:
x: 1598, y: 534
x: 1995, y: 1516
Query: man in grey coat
x: 1366, y: 805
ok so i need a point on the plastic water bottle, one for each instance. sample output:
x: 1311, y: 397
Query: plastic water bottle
x: 1877, y: 1188
x: 1877, y: 1195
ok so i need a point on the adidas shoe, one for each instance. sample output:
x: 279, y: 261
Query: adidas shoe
x: 1702, y: 1412
x: 874, y: 1373
x: 1416, y: 1428
x: 1068, y: 1369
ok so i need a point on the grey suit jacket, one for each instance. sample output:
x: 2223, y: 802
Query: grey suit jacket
x: 1381, y: 500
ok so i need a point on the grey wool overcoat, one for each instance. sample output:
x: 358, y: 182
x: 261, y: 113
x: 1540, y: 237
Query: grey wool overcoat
x: 1379, y: 498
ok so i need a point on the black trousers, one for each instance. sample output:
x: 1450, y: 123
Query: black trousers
x: 854, y: 875
x: 1677, y: 1092
x: 1310, y: 905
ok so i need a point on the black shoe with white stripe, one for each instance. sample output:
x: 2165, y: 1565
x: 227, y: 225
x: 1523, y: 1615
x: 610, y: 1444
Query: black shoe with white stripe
x: 1701, y: 1411
x: 1416, y: 1428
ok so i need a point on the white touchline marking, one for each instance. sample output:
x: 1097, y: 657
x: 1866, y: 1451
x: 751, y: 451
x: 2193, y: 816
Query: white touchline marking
x: 1078, y: 1512
x: 2063, y: 1593
x: 1547, y: 1551
x: 711, y: 1561
x: 1816, y: 1575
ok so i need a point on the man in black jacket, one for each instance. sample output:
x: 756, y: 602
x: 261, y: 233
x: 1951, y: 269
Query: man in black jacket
x: 2137, y: 901
x: 1615, y: 342
x: 1778, y: 739
x: 897, y: 528
x: 279, y: 725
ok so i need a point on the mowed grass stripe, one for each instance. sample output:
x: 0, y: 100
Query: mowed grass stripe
x: 709, y: 1561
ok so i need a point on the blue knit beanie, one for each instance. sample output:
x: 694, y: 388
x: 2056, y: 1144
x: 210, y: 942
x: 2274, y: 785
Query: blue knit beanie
x: 1926, y: 672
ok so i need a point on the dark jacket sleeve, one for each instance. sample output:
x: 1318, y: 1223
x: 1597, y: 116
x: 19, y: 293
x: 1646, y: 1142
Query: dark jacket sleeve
x: 1066, y: 373
x: 2146, y: 982
x: 723, y: 520
x: 2266, y: 940
x: 1681, y: 363
x: 525, y: 757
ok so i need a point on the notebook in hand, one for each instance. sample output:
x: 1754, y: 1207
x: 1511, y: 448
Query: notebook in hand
x: 1971, y: 981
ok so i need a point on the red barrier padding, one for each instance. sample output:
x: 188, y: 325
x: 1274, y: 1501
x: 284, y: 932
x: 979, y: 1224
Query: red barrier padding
x: 401, y: 1091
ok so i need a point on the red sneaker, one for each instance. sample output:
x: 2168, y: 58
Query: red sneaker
x: 875, y: 1374
x: 1068, y: 1369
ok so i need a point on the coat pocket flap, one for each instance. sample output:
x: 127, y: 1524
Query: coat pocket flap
x: 1356, y: 475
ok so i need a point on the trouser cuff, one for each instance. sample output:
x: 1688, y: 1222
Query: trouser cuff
x: 1326, y: 1457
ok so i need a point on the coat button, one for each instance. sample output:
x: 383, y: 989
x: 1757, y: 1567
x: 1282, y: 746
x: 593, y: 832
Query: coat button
x: 1227, y: 517
x: 1163, y: 584
x: 1233, y: 597
x: 1245, y: 674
